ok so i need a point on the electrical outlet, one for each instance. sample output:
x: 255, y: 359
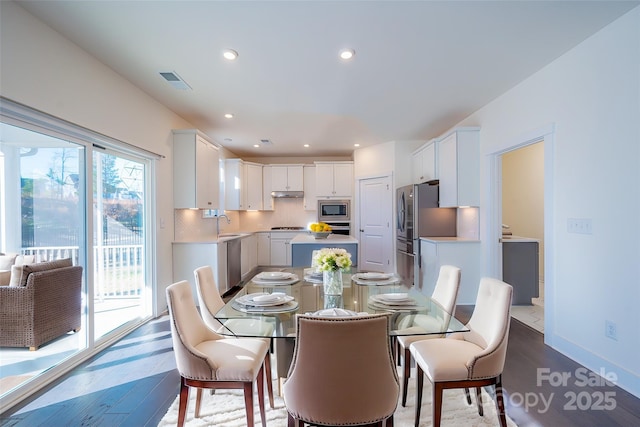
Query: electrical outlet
x: 610, y: 330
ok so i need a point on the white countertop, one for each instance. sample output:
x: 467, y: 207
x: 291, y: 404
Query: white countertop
x: 223, y: 237
x: 449, y: 240
x: 332, y: 238
x: 518, y: 239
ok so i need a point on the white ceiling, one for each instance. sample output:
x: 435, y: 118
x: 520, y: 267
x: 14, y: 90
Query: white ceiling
x: 420, y: 66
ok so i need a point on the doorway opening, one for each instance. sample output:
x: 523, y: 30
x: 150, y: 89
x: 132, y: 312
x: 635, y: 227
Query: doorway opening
x: 545, y: 180
x: 522, y: 171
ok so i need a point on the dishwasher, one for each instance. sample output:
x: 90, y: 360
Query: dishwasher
x: 234, y: 272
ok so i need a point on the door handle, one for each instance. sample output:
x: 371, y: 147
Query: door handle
x: 406, y: 253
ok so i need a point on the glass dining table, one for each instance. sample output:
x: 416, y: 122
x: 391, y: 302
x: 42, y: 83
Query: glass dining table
x: 275, y: 297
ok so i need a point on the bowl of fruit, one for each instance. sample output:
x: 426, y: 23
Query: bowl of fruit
x: 320, y: 230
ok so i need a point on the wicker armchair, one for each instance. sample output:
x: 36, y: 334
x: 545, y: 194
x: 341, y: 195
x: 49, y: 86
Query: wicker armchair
x: 47, y: 306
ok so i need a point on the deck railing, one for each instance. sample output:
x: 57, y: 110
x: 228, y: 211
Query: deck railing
x: 119, y: 270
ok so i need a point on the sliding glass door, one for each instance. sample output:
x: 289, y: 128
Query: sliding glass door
x: 63, y: 196
x: 118, y: 241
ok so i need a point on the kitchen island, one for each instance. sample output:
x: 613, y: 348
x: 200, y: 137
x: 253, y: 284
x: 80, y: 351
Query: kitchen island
x: 303, y: 245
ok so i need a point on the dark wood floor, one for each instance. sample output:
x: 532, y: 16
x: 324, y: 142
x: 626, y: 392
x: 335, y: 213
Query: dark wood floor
x: 133, y: 383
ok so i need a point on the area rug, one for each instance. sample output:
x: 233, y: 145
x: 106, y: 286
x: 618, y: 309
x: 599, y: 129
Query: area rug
x: 226, y: 409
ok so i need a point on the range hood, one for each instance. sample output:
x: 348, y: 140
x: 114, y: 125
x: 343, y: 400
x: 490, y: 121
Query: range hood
x: 287, y: 194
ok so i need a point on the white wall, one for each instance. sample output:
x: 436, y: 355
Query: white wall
x: 43, y: 70
x: 591, y: 96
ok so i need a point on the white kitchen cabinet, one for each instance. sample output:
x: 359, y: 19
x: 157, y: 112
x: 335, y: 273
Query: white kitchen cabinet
x: 287, y: 178
x: 334, y: 179
x: 264, y: 248
x: 233, y: 185
x: 248, y: 255
x: 281, y: 248
x: 423, y: 163
x: 196, y: 177
x: 458, y: 157
x: 188, y: 256
x: 252, y: 186
x: 267, y: 200
x: 464, y: 254
x: 310, y: 200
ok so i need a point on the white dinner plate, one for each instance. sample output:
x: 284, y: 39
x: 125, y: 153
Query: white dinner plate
x: 374, y: 276
x: 398, y: 299
x: 262, y: 299
x: 274, y: 275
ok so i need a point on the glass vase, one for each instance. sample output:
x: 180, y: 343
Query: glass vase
x: 332, y: 282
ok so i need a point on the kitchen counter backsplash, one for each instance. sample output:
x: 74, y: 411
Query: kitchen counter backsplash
x: 190, y: 226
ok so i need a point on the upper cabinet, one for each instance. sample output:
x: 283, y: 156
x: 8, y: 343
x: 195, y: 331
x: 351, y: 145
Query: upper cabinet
x: 424, y: 163
x: 334, y: 179
x: 267, y: 200
x: 458, y: 156
x: 287, y: 178
x: 252, y: 186
x: 310, y: 200
x: 196, y: 178
x: 234, y: 199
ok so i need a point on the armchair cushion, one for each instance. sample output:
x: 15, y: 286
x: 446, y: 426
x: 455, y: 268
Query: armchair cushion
x: 6, y: 261
x: 445, y: 359
x: 27, y: 269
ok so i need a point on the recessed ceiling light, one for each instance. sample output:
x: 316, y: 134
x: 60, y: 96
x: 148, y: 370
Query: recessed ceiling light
x: 228, y: 116
x: 256, y: 145
x: 230, y: 54
x: 347, y: 53
x: 356, y: 145
x: 306, y: 145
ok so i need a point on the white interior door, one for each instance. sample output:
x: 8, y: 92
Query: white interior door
x: 375, y: 234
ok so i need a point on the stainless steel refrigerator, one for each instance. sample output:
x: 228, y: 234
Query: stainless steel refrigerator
x: 418, y: 215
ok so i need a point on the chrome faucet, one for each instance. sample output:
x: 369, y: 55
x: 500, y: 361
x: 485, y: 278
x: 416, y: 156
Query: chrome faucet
x: 218, y: 222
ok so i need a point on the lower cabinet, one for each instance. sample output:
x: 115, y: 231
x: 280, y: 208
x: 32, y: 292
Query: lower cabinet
x: 264, y: 248
x: 520, y: 269
x: 189, y: 256
x: 281, y: 248
x: 248, y: 255
x: 464, y: 254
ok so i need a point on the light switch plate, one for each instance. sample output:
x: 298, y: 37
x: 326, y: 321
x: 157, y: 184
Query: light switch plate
x: 579, y: 225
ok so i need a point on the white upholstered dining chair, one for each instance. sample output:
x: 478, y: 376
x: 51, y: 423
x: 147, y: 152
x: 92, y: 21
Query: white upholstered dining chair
x: 342, y: 372
x: 445, y: 294
x: 211, y: 302
x: 207, y: 360
x: 469, y: 359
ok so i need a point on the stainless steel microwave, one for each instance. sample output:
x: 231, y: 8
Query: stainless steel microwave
x: 334, y: 210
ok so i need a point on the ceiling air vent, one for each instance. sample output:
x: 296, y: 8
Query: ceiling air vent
x: 175, y: 80
x: 266, y: 142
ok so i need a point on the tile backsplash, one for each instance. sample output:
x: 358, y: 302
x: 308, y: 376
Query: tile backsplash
x: 189, y: 225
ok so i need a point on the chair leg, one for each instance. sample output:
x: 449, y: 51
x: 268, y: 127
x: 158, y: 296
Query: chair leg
x: 198, y: 401
x: 184, y: 401
x: 267, y: 377
x: 407, y: 374
x: 260, y: 380
x: 479, y: 400
x: 500, y: 402
x: 390, y: 421
x: 248, y: 402
x: 419, y: 384
x: 437, y: 404
x: 466, y: 393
